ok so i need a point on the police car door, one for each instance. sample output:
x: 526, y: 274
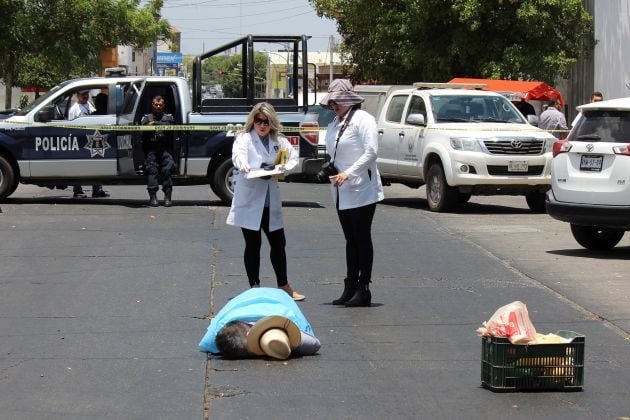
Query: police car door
x: 79, y: 148
x: 128, y: 98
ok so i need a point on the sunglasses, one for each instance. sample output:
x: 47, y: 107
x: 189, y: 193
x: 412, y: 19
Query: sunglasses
x: 261, y: 122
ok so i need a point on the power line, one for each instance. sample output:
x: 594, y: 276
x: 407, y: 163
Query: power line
x: 202, y: 3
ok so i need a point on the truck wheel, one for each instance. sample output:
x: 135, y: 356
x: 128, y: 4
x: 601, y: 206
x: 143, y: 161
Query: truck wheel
x: 596, y: 238
x: 440, y: 196
x: 8, y: 182
x: 222, y: 180
x: 536, y: 201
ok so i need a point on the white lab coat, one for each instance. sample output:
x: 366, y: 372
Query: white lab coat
x: 249, y: 194
x: 356, y: 156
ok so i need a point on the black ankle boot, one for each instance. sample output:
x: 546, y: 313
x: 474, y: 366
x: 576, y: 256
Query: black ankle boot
x: 362, y: 297
x: 167, y: 197
x: 153, y: 202
x: 350, y: 286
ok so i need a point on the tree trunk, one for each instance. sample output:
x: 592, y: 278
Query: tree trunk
x: 8, y: 90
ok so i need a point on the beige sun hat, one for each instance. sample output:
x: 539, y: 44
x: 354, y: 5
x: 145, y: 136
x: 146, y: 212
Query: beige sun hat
x: 340, y: 91
x: 273, y: 342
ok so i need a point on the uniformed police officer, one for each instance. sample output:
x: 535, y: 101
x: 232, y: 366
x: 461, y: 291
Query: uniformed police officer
x: 157, y: 151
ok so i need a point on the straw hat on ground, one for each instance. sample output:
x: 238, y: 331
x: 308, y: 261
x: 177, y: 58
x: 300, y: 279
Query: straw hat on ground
x: 274, y: 336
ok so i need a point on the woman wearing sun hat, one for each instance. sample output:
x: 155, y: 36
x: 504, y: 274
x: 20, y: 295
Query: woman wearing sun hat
x: 352, y: 144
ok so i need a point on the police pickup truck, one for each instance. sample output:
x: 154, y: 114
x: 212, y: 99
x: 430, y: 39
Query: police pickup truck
x: 39, y: 145
x: 459, y: 141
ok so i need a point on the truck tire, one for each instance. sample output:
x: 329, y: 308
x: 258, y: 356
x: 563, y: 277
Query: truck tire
x: 536, y: 201
x: 596, y: 238
x: 440, y: 196
x: 8, y: 182
x: 222, y: 180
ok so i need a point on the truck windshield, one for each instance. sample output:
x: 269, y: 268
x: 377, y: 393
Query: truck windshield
x: 41, y: 99
x: 469, y: 108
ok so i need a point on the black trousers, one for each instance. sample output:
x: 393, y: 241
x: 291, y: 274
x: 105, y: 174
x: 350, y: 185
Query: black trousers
x: 158, y: 166
x: 357, y: 229
x: 277, y: 243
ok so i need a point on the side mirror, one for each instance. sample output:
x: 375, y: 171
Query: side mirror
x: 416, y: 119
x: 46, y: 114
x: 533, y: 120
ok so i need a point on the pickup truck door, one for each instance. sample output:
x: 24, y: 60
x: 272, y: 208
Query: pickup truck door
x: 58, y: 148
x: 391, y: 133
x: 127, y: 99
x: 410, y: 145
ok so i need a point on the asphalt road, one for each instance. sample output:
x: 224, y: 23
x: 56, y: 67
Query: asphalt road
x: 103, y: 302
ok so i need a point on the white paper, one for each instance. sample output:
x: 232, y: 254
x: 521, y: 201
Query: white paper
x: 258, y: 173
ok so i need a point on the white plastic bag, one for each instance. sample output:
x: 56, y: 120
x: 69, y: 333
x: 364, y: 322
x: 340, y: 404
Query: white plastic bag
x: 512, y: 322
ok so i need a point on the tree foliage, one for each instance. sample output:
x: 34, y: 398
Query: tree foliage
x: 43, y: 42
x: 404, y: 41
x: 226, y: 71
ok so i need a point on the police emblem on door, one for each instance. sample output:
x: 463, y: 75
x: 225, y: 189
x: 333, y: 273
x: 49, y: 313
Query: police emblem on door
x: 97, y: 144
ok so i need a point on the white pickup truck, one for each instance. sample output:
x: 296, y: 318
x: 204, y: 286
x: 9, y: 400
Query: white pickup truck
x: 459, y: 141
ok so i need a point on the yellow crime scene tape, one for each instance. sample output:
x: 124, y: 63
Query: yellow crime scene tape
x: 238, y: 127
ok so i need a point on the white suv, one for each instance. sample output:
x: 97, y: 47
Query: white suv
x: 590, y: 175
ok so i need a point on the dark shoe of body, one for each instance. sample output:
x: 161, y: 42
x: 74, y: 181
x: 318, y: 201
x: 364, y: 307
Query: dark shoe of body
x: 362, y: 297
x: 99, y: 194
x: 78, y: 192
x: 167, y: 197
x: 153, y: 201
x: 350, y: 287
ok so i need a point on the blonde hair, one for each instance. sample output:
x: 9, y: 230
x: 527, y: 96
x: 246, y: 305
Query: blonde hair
x: 267, y: 110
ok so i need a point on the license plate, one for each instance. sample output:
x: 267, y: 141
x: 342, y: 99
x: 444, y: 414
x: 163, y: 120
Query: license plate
x: 517, y: 166
x: 591, y: 163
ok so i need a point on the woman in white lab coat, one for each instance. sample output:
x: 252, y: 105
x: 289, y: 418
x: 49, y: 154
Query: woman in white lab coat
x: 351, y: 141
x: 257, y: 204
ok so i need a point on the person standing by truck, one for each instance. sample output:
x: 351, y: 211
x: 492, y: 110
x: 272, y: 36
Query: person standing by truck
x: 351, y: 141
x: 81, y: 108
x: 257, y: 204
x: 157, y: 146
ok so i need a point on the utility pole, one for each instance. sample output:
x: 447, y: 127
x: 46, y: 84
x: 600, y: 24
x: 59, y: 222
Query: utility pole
x: 155, y: 42
x: 331, y: 47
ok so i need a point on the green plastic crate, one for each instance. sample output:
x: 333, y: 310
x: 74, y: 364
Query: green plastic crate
x: 516, y: 367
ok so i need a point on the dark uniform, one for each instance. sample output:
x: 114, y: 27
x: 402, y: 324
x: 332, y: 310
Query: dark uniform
x: 157, y: 147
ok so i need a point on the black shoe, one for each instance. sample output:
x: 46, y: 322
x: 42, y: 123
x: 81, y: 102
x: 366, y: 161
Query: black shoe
x: 350, y: 287
x: 153, y: 201
x: 167, y: 197
x: 79, y: 195
x: 99, y: 194
x: 362, y: 297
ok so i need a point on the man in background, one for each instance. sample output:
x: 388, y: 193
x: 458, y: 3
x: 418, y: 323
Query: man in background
x: 81, y: 108
x: 553, y: 119
x: 595, y: 97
